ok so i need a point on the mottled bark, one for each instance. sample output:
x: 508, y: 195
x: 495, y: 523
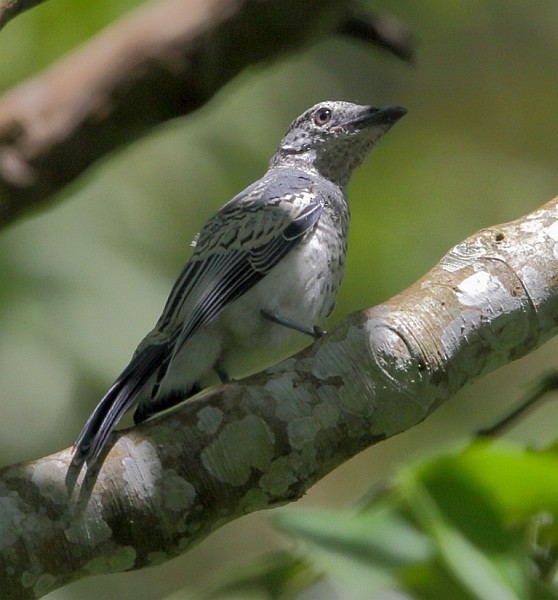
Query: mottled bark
x: 263, y: 441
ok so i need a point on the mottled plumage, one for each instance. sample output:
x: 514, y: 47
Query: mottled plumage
x: 266, y: 267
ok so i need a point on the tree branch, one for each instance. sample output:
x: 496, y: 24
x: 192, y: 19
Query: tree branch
x: 382, y: 30
x: 264, y: 441
x: 11, y: 8
x: 164, y: 61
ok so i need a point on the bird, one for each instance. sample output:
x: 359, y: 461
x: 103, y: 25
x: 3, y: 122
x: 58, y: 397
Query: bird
x: 265, y: 268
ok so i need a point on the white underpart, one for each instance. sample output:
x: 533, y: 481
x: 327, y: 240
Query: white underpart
x: 302, y: 288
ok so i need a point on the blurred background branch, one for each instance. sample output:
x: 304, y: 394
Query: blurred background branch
x: 11, y: 8
x: 163, y: 61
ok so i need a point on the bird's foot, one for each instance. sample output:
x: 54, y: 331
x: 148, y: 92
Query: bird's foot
x: 318, y: 332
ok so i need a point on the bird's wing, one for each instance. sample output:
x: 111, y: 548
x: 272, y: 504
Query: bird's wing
x: 237, y: 248
x: 234, y: 251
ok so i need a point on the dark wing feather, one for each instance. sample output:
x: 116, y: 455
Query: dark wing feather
x: 264, y: 233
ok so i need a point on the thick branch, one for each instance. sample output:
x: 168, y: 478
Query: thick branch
x: 164, y: 61
x: 264, y: 441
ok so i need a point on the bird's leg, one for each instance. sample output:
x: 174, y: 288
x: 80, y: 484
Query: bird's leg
x: 222, y: 374
x: 313, y: 331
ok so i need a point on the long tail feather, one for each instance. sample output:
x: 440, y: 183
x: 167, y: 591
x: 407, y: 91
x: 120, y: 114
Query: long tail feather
x: 118, y: 399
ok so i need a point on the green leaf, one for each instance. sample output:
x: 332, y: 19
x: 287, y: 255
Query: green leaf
x: 484, y: 574
x: 477, y: 507
x: 521, y: 483
x: 362, y: 551
x: 452, y: 527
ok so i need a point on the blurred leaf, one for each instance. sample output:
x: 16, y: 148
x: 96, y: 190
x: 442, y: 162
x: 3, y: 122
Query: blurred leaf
x: 273, y: 576
x: 363, y: 551
x: 485, y: 574
x: 520, y: 483
x: 358, y: 535
x: 478, y: 504
x: 454, y: 526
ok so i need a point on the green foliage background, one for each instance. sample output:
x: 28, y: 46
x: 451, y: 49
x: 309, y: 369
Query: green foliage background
x: 81, y: 282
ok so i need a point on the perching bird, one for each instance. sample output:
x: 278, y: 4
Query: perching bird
x: 267, y: 265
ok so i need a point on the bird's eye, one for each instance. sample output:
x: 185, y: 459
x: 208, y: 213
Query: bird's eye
x: 322, y: 116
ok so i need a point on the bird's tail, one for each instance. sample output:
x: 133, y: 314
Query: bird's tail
x: 118, y: 399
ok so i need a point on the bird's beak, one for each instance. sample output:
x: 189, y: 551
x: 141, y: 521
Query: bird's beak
x: 372, y: 116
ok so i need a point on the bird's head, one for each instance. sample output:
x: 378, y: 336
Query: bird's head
x: 335, y: 137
